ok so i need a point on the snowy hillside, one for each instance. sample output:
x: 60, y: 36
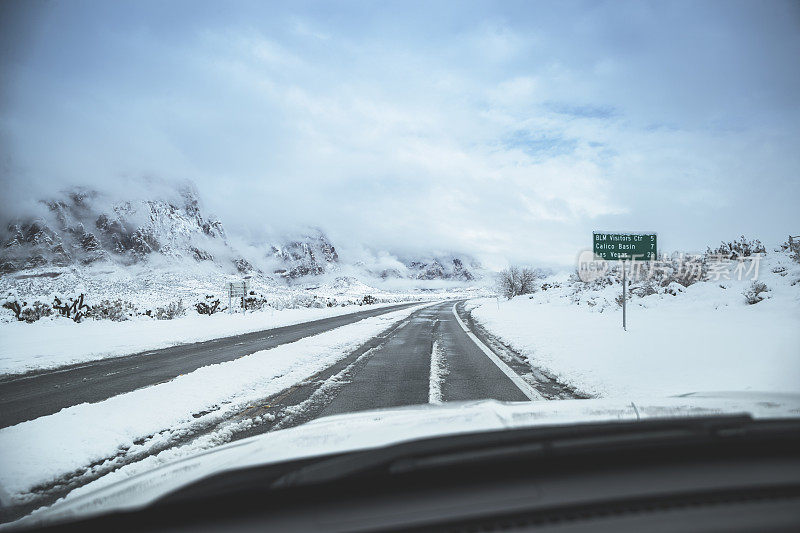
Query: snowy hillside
x: 82, y: 227
x: 701, y: 337
x: 146, y: 253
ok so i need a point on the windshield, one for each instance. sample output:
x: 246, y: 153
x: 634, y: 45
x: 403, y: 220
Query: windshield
x: 223, y: 221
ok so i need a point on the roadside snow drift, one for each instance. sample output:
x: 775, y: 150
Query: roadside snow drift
x: 704, y: 338
x: 41, y: 451
x: 59, y: 342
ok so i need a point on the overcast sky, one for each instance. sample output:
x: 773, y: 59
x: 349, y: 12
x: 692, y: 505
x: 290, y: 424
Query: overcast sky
x: 504, y: 129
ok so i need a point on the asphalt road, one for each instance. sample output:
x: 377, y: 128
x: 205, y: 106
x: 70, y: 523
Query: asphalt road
x: 401, y: 371
x: 392, y: 369
x: 42, y: 393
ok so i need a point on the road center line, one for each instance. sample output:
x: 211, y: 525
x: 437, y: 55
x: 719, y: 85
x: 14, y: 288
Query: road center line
x: 521, y: 384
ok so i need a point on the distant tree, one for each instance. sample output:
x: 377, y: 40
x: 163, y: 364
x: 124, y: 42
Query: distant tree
x: 515, y: 280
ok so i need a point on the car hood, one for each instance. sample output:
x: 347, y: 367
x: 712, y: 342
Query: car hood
x: 372, y: 429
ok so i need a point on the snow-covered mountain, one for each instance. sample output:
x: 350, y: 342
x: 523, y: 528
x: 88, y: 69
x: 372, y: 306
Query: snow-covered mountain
x: 440, y: 267
x: 310, y: 255
x: 82, y: 227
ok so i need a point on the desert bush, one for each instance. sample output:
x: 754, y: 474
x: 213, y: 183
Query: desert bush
x: 23, y: 311
x: 34, y: 312
x: 71, y: 307
x: 792, y: 246
x: 208, y: 307
x: 645, y: 288
x: 170, y: 311
x: 736, y: 249
x: 12, y: 303
x: 515, y: 280
x: 754, y: 293
x: 684, y: 269
x: 254, y: 302
x: 116, y: 310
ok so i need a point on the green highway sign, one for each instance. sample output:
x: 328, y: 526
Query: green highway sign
x: 614, y: 246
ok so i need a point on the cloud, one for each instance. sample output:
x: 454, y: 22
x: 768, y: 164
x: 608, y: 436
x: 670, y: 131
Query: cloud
x: 505, y: 131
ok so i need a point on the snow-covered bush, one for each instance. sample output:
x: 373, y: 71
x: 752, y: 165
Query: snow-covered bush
x: 116, y: 310
x: 23, y: 311
x: 515, y: 280
x: 209, y: 307
x: 255, y: 302
x: 684, y: 269
x: 645, y: 288
x: 11, y: 302
x: 170, y: 311
x: 736, y: 249
x: 753, y: 294
x: 32, y: 313
x: 303, y: 300
x: 792, y: 246
x: 368, y: 300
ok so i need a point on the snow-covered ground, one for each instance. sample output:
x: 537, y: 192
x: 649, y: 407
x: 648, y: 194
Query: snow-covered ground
x: 58, y: 342
x: 105, y: 433
x: 151, y: 284
x: 704, y: 338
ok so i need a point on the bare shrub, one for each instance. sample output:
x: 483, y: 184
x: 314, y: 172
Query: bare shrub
x: 515, y: 280
x: 754, y: 293
x: 35, y: 311
x: 209, y: 307
x: 116, y: 310
x: 23, y: 311
x: 11, y: 303
x: 71, y: 307
x: 170, y: 311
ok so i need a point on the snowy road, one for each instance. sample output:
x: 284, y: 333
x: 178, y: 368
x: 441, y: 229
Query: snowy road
x: 429, y: 354
x: 42, y: 393
x: 427, y: 358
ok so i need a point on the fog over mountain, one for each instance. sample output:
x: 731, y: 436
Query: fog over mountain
x: 81, y: 226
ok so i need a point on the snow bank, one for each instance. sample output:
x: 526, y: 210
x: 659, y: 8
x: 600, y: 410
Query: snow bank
x: 58, y: 342
x: 702, y: 339
x: 42, y: 450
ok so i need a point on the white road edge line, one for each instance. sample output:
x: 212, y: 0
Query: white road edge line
x: 521, y: 384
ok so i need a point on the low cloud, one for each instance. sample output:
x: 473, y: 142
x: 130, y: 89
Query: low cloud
x: 509, y: 133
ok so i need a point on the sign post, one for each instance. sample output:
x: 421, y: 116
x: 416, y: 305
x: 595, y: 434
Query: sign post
x: 237, y: 290
x: 625, y: 246
x: 624, y: 297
